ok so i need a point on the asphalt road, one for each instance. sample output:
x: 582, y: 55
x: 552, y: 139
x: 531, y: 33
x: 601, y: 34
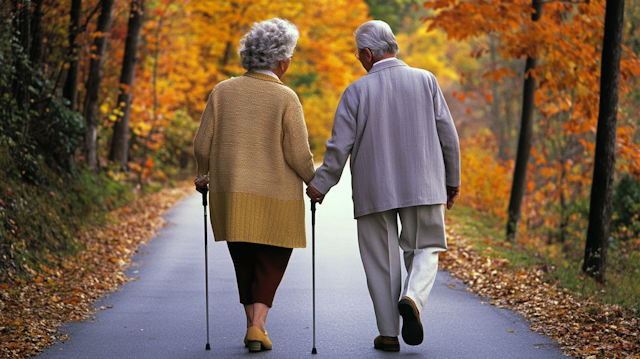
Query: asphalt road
x: 162, y: 314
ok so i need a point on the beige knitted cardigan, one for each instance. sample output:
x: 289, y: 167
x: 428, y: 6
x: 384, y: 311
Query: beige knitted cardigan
x: 253, y: 144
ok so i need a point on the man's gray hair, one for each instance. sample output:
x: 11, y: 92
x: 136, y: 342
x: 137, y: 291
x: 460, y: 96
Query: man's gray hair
x: 267, y: 43
x: 376, y: 35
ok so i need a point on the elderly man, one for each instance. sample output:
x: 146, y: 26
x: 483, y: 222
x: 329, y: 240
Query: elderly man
x: 405, y: 162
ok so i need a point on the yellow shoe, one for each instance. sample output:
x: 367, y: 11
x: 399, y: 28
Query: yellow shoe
x: 257, y: 340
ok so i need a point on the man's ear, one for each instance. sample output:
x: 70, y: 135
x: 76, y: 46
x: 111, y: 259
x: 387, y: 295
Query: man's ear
x: 369, y: 54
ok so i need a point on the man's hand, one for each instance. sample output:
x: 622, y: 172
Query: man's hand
x: 452, y: 194
x: 314, y: 194
x: 201, y: 184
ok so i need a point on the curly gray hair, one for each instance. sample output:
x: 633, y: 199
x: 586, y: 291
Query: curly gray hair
x: 376, y: 35
x: 267, y: 43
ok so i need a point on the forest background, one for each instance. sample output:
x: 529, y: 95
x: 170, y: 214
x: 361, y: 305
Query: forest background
x: 52, y: 189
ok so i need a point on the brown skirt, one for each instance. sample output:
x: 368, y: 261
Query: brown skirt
x: 259, y: 270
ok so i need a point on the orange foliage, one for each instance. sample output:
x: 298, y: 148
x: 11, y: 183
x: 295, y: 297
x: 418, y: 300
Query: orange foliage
x: 196, y: 47
x: 567, y: 42
x: 188, y: 47
x: 486, y: 182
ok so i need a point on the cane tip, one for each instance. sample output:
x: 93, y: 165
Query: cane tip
x: 314, y: 351
x: 208, y: 347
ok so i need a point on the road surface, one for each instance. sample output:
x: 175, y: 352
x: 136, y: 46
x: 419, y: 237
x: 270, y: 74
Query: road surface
x: 162, y: 314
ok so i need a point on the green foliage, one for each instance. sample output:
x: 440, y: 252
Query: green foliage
x: 50, y: 137
x: 45, y: 131
x: 304, y: 83
x: 177, y: 152
x: 394, y: 12
x: 45, y: 200
x: 57, y: 134
x: 631, y: 33
x: 626, y: 208
x: 40, y: 221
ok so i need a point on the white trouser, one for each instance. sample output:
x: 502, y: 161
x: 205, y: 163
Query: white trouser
x: 423, y: 236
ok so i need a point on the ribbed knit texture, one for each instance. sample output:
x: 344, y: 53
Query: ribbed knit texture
x: 253, y: 144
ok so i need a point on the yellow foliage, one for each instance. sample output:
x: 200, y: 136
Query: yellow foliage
x: 429, y: 50
x: 104, y: 108
x: 196, y: 47
x: 486, y: 183
x: 319, y: 111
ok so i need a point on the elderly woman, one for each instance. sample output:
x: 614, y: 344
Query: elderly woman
x: 252, y: 146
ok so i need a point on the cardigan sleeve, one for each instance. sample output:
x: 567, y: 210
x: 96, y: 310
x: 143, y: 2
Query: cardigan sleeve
x: 295, y: 141
x: 203, y: 139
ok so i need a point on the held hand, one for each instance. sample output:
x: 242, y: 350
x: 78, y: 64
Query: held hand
x: 452, y: 194
x: 201, y: 184
x: 314, y: 194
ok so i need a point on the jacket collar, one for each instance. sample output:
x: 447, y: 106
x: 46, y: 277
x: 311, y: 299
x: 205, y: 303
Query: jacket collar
x: 260, y: 76
x: 386, y: 65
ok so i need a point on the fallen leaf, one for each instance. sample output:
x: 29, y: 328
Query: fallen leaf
x: 64, y: 292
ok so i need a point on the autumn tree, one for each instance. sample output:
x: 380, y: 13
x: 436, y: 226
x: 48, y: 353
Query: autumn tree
x: 595, y: 254
x: 94, y: 80
x: 120, y: 138
x: 524, y: 140
x: 565, y: 37
x: 198, y: 50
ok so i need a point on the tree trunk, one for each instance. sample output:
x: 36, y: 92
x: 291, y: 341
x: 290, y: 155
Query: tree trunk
x: 595, y: 252
x: 22, y: 24
x: 36, y: 35
x: 93, y: 82
x: 70, y: 91
x: 524, y: 141
x: 227, y: 53
x: 120, y: 140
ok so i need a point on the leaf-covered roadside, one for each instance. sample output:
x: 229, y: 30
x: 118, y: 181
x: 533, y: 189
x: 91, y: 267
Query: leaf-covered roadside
x: 584, y: 328
x: 31, y: 310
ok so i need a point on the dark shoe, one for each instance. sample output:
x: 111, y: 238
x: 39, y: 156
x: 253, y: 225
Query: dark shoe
x: 412, y: 333
x: 388, y: 344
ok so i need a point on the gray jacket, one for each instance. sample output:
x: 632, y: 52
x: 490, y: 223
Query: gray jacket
x: 395, y: 124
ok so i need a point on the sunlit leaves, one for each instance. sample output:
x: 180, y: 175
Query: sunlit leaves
x: 566, y: 40
x: 481, y: 188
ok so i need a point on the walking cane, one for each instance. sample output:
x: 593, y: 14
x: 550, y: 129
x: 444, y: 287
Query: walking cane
x: 206, y: 263
x: 313, y: 270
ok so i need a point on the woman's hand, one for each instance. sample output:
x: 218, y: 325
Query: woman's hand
x: 201, y: 184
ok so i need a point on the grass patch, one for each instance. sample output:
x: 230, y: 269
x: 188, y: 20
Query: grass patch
x: 486, y: 233
x: 561, y: 263
x: 41, y: 222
